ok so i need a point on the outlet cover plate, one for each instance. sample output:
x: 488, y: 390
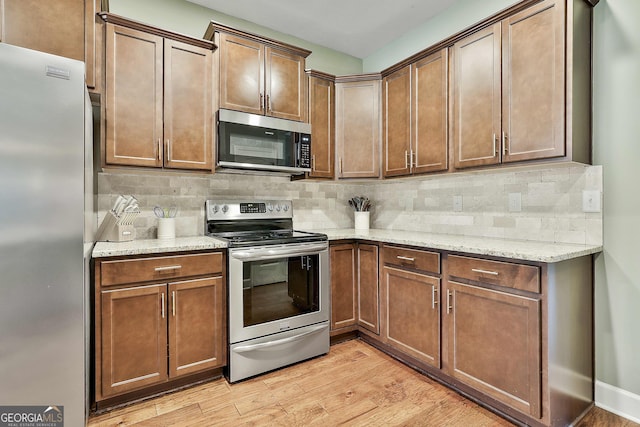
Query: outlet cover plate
x: 457, y: 203
x: 515, y: 202
x: 591, y: 201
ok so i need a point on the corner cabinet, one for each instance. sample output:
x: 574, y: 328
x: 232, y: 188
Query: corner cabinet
x: 322, y: 114
x: 355, y: 300
x: 515, y: 83
x: 414, y: 117
x: 158, y: 98
x: 160, y: 320
x: 358, y: 126
x: 260, y: 75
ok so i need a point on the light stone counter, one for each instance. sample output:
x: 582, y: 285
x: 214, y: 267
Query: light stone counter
x: 515, y: 249
x: 156, y: 246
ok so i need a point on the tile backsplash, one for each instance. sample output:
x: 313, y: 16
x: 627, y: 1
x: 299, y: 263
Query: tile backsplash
x: 549, y: 199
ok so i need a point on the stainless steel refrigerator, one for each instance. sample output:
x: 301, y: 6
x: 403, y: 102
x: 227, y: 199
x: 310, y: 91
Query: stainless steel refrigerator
x: 47, y: 228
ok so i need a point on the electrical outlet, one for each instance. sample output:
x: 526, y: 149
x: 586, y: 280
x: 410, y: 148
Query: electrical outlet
x: 457, y: 203
x: 515, y: 202
x: 590, y: 201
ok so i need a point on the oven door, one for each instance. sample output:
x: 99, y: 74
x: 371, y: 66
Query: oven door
x: 277, y: 288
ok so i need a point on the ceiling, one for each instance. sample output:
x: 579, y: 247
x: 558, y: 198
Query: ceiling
x: 354, y: 27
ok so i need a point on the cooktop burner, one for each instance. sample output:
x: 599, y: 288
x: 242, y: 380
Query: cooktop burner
x: 254, y: 223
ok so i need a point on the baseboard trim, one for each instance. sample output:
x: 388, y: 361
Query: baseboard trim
x: 618, y: 401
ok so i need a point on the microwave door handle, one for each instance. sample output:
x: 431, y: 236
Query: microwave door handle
x: 296, y: 149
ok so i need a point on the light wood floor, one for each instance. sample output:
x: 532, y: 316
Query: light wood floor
x: 354, y: 384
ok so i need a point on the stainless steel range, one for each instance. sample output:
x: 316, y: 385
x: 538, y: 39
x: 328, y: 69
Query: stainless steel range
x: 278, y: 285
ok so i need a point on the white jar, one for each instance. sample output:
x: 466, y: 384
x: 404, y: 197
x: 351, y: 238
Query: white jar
x: 361, y: 220
x: 166, y: 228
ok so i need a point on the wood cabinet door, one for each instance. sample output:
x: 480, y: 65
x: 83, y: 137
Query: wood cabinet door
x: 396, y: 123
x: 368, y: 289
x: 188, y: 110
x: 533, y: 88
x: 322, y: 119
x: 197, y: 325
x: 358, y: 129
x: 429, y: 113
x: 286, y: 85
x: 477, y: 99
x: 412, y: 314
x: 134, y: 122
x: 134, y: 338
x: 241, y: 74
x: 343, y: 285
x: 494, y: 344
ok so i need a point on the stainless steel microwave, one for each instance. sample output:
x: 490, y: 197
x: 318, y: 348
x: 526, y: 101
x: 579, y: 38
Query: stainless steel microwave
x: 253, y: 142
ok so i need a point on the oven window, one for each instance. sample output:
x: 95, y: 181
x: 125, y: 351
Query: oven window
x: 279, y: 289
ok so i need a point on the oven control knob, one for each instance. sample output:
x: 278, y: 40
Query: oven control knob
x: 278, y: 208
x: 285, y: 208
x: 269, y: 207
x: 215, y: 209
x: 225, y: 209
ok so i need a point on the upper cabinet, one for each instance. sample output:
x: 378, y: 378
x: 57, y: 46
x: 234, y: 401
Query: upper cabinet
x: 513, y: 87
x: 414, y: 111
x: 259, y: 75
x: 322, y: 120
x: 158, y: 98
x: 358, y: 126
x: 62, y: 27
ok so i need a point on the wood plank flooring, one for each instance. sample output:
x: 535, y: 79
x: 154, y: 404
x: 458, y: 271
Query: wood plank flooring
x: 353, y: 385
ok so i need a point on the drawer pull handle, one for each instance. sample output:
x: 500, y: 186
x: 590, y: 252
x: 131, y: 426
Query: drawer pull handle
x: 477, y: 270
x: 406, y: 258
x: 167, y: 268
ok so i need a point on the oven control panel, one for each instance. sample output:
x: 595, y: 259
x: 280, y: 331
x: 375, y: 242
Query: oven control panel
x: 235, y: 209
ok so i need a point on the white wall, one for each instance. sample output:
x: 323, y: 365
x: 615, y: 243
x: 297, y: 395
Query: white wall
x: 616, y: 138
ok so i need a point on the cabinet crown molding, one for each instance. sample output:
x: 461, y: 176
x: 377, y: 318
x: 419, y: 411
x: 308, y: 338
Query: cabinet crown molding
x: 113, y: 18
x: 216, y: 27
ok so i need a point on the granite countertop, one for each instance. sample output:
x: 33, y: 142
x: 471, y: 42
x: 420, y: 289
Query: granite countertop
x: 156, y: 246
x: 515, y: 249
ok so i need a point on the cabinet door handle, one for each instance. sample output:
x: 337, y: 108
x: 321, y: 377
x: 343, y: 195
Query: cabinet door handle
x: 505, y: 143
x: 434, y: 292
x: 162, y: 304
x: 495, y: 149
x: 173, y: 303
x: 340, y: 165
x: 313, y: 162
x: 406, y: 159
x: 477, y: 270
x: 168, y: 267
x: 449, y: 306
x: 406, y: 258
x: 261, y: 102
x: 268, y: 103
x: 414, y: 163
x: 159, y: 150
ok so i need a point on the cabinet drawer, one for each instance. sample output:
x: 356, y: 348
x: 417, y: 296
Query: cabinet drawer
x: 411, y: 258
x: 511, y: 275
x: 159, y: 268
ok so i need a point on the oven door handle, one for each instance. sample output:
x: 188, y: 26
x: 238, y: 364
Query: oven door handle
x: 271, y: 252
x: 268, y: 344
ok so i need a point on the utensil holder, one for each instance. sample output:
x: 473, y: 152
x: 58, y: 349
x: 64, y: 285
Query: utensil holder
x: 166, y: 228
x: 361, y: 220
x: 117, y: 229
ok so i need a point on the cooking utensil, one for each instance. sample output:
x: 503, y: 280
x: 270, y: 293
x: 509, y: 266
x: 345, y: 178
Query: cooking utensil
x: 158, y: 211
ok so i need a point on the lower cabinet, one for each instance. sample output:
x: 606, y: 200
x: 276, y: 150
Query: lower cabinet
x: 354, y: 287
x: 158, y: 319
x: 514, y: 335
x: 494, y: 344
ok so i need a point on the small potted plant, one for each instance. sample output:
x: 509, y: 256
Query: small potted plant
x: 361, y: 206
